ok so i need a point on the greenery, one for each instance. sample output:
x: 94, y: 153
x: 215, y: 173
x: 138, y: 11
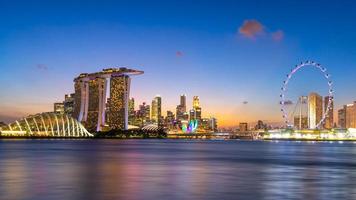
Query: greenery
x: 136, y: 133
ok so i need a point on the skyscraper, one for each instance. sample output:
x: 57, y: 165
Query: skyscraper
x: 132, y: 114
x: 315, y: 109
x: 329, y: 120
x: 301, y: 122
x: 69, y: 104
x: 351, y: 115
x: 196, y: 103
x: 91, y: 106
x: 181, y: 108
x: 196, y: 108
x: 119, y: 108
x: 341, y: 117
x: 192, y: 114
x: 95, y: 107
x: 156, y: 110
x: 183, y: 102
x: 169, y: 121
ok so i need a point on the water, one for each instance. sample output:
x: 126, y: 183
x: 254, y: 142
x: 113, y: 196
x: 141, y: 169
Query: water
x: 176, y: 169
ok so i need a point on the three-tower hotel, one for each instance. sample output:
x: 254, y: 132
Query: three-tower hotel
x: 101, y: 98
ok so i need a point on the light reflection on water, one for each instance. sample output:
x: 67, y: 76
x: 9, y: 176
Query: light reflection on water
x: 176, y: 169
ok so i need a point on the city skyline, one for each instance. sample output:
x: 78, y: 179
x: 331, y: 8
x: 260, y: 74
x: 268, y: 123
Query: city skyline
x: 235, y: 57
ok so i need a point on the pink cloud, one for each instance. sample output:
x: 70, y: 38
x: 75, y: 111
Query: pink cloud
x: 251, y: 28
x: 278, y: 35
x: 179, y: 53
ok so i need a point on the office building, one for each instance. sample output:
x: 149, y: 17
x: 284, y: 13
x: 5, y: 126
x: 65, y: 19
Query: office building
x: 156, y: 110
x: 351, y: 115
x: 341, y: 117
x: 69, y: 104
x: 315, y: 110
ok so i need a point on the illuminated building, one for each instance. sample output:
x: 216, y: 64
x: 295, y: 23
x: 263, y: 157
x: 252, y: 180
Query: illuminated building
x: 156, y: 110
x: 144, y: 112
x: 183, y: 102
x: 198, y: 113
x: 196, y: 103
x: 351, y: 115
x: 192, y: 114
x: 119, y: 98
x: 243, y: 127
x: 213, y: 124
x: 341, y: 113
x: 132, y: 114
x: 69, y: 104
x: 91, y: 105
x: 315, y: 109
x: 95, y: 106
x: 169, y: 121
x: 185, y: 116
x: 303, y: 124
x: 195, y: 113
x: 181, y: 108
x: 58, y: 108
x: 329, y: 120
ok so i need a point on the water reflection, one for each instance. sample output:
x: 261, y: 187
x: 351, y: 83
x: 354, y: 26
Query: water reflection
x: 176, y: 169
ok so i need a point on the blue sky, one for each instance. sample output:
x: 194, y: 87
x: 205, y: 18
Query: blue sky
x: 226, y: 52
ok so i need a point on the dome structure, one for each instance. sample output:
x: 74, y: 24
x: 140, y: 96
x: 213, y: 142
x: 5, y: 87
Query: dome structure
x: 46, y: 125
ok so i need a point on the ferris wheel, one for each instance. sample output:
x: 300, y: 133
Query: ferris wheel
x: 284, y: 90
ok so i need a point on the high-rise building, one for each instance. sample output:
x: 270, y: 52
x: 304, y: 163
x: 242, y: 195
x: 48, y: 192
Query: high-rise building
x: 69, y: 104
x: 213, y: 124
x: 119, y: 102
x: 351, y: 115
x: 243, y: 126
x: 181, y: 108
x: 329, y: 120
x: 196, y: 108
x: 315, y: 109
x: 169, y: 121
x: 196, y: 103
x: 198, y: 113
x: 301, y: 125
x: 192, y: 114
x: 144, y: 112
x: 341, y: 117
x: 183, y: 102
x: 91, y: 105
x: 96, y: 104
x: 58, y: 107
x: 132, y: 113
x: 156, y: 110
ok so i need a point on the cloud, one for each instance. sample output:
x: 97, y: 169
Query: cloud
x: 288, y: 102
x: 251, y: 28
x: 42, y: 67
x: 179, y: 53
x: 278, y: 35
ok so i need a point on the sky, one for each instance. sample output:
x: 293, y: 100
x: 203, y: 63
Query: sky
x: 234, y: 55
